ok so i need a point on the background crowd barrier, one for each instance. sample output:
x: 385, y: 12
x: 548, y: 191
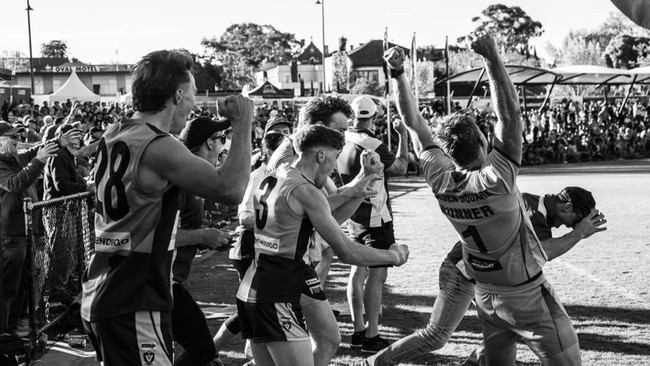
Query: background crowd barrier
x: 60, y: 240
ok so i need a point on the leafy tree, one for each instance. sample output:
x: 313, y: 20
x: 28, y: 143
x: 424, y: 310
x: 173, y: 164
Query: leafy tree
x: 244, y: 47
x: 341, y: 74
x: 576, y: 49
x: 254, y: 43
x: 54, y: 48
x: 623, y: 51
x: 511, y: 26
x: 365, y: 86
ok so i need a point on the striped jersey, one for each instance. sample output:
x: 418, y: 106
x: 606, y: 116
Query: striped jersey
x: 486, y: 209
x: 135, y: 230
x: 281, y: 240
x: 374, y: 211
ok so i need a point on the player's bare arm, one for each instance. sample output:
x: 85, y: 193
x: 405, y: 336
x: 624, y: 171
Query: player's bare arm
x: 307, y: 199
x: 407, y: 106
x: 587, y: 227
x: 508, y: 129
x: 400, y: 165
x: 346, y: 200
x: 211, y: 238
x: 167, y: 159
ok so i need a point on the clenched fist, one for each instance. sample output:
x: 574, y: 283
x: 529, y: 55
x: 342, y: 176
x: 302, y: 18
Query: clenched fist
x: 239, y: 109
x: 395, y: 57
x: 401, y: 252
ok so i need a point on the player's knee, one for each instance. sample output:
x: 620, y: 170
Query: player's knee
x: 327, y: 342
x: 378, y: 275
x: 434, y: 337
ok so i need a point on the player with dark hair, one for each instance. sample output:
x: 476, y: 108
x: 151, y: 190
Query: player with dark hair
x: 127, y: 302
x: 573, y: 207
x: 332, y: 112
x: 289, y: 205
x: 477, y: 192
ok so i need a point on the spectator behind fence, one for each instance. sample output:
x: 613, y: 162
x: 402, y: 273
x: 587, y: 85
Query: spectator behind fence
x: 61, y: 175
x: 18, y: 172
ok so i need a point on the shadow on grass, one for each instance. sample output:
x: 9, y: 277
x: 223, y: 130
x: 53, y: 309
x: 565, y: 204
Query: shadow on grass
x: 214, y: 281
x: 402, y: 321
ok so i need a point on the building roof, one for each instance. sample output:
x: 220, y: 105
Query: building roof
x: 309, y: 54
x: 371, y: 53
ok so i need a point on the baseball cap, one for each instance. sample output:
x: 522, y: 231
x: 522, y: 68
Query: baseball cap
x: 48, y: 119
x: 6, y: 129
x: 199, y: 130
x: 364, y: 107
x: 19, y: 126
x: 581, y: 199
x: 276, y: 120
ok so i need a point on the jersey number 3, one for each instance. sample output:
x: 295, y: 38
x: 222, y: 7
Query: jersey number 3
x: 113, y: 201
x: 262, y: 213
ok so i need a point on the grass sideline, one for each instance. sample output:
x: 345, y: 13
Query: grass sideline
x: 603, y: 281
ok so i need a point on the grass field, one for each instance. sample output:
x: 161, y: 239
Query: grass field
x: 603, y: 282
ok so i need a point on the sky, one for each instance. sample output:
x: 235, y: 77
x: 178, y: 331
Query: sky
x: 121, y: 31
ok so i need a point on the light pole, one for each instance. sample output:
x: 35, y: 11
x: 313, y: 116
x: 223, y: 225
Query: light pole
x: 29, y: 31
x: 322, y: 6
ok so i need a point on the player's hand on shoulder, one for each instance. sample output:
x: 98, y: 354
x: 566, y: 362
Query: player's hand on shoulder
x: 395, y: 57
x: 215, y: 238
x: 591, y: 224
x: 239, y: 109
x: 401, y: 252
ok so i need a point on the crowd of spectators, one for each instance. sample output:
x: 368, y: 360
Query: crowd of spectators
x: 568, y: 131
x: 572, y: 132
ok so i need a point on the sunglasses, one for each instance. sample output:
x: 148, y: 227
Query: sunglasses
x: 220, y: 137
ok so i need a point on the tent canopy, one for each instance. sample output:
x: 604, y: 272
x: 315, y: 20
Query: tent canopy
x: 520, y: 75
x: 269, y: 91
x: 73, y: 88
x: 566, y: 75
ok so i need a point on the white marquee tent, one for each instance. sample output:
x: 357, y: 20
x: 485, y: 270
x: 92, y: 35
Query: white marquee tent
x: 73, y: 88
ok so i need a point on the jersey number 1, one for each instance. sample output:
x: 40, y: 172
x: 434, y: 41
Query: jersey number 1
x: 114, y: 204
x: 471, y: 232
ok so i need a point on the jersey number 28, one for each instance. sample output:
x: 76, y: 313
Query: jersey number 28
x: 113, y: 201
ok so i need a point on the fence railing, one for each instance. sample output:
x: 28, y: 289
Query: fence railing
x: 60, y: 238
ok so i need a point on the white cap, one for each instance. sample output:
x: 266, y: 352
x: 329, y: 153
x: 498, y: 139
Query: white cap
x: 364, y: 107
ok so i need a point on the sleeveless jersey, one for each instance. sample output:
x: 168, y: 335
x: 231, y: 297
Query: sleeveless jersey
x: 135, y: 230
x: 374, y: 211
x: 487, y: 211
x: 281, y: 240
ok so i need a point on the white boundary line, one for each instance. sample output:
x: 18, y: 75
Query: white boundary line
x: 610, y: 286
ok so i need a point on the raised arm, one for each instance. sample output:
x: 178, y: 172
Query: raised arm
x: 407, y: 106
x: 171, y: 160
x: 508, y: 129
x: 400, y: 165
x: 591, y: 224
x: 314, y: 205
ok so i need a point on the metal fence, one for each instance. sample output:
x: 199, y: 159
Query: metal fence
x: 60, y: 239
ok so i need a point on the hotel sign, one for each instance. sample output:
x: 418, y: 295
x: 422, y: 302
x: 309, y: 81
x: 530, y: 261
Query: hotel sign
x: 68, y: 69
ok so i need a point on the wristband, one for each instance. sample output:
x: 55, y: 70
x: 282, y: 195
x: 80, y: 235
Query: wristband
x: 395, y: 73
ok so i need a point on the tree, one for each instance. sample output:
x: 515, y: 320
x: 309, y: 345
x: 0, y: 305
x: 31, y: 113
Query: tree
x: 244, y: 47
x: 341, y: 74
x: 623, y: 51
x: 254, y: 43
x: 54, y: 48
x: 365, y: 86
x: 511, y: 27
